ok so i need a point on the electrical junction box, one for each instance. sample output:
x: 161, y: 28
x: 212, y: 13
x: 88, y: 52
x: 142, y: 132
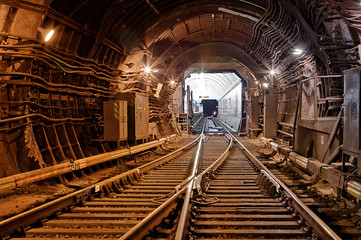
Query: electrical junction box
x: 351, y: 125
x: 351, y: 131
x: 138, y: 114
x: 115, y: 120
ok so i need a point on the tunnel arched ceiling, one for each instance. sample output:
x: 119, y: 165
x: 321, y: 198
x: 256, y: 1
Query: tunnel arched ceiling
x: 163, y: 34
x: 126, y: 22
x: 211, y: 85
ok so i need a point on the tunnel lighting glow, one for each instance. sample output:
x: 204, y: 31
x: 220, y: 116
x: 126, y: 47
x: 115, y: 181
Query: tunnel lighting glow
x: 172, y: 82
x: 202, y: 76
x: 147, y: 70
x: 272, y: 72
x: 298, y: 51
x: 155, y: 70
x: 265, y: 85
x: 49, y: 35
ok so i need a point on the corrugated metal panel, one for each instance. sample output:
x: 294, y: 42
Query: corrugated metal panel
x: 115, y: 120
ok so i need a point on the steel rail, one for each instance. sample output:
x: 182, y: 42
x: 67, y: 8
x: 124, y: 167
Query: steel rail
x: 214, y: 166
x: 139, y: 230
x: 155, y: 217
x: 186, y: 204
x: 321, y: 228
x: 34, y: 215
x: 17, y: 180
x: 184, y: 217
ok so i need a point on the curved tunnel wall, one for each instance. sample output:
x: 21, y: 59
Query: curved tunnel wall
x: 101, y: 47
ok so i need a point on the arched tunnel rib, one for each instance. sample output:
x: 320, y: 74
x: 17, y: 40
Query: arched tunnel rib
x: 109, y: 86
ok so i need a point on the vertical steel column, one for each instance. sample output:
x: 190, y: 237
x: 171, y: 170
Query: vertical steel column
x: 315, y: 112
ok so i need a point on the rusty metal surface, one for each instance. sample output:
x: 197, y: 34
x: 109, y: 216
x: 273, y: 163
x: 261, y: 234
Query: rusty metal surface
x: 351, y: 131
x: 318, y: 225
x: 25, y: 178
x: 131, y: 196
x: 138, y: 114
x: 325, y: 171
x: 243, y: 209
x: 116, y: 183
x: 115, y: 120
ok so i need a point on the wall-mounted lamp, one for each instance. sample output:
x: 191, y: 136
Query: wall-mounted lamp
x: 147, y: 70
x: 298, y: 51
x: 172, y: 82
x: 47, y: 33
x: 272, y: 72
x: 265, y: 85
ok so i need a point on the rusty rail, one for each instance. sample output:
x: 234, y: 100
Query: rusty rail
x: 153, y: 219
x: 31, y: 216
x: 17, y: 180
x: 322, y: 229
x: 195, y: 183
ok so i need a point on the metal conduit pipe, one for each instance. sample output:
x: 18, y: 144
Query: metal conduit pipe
x: 333, y: 133
x: 41, y: 49
x: 333, y: 154
x: 17, y: 180
x: 321, y: 170
x: 302, y: 174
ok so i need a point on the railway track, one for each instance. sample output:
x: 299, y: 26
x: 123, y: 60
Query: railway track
x: 111, y: 208
x: 242, y: 209
x: 324, y: 207
x: 211, y: 191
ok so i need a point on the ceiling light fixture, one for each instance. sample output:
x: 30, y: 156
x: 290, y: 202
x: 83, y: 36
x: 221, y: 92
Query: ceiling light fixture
x: 248, y: 16
x: 46, y: 33
x: 298, y: 51
x: 147, y: 70
x: 172, y: 82
x: 49, y: 35
x: 272, y: 72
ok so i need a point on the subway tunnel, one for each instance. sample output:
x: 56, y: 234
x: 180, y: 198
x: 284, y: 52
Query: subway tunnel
x: 285, y: 74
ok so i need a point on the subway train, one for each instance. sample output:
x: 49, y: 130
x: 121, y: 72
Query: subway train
x: 210, y: 107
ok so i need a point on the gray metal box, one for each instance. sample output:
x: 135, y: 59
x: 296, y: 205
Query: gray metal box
x: 138, y: 115
x: 351, y: 131
x: 115, y: 120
